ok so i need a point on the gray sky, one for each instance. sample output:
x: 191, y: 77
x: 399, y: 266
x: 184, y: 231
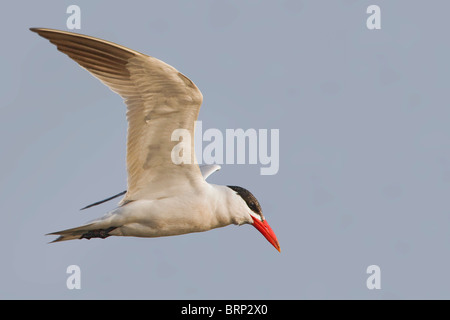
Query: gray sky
x: 364, y: 173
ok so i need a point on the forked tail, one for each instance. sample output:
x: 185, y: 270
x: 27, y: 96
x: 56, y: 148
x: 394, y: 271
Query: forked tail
x: 87, y: 231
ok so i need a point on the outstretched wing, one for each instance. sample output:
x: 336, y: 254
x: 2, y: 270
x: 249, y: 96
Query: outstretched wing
x: 159, y: 100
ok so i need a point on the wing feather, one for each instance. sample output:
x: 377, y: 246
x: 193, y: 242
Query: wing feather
x: 159, y: 100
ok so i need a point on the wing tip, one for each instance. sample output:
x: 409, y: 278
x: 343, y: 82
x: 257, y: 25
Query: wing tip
x: 37, y: 30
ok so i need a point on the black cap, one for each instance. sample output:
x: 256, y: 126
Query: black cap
x: 249, y: 199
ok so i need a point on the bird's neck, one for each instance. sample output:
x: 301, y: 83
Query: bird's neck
x: 227, y: 208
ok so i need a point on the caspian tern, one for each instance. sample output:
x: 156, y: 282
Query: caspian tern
x: 162, y: 198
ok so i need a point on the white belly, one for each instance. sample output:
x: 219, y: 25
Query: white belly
x: 158, y: 218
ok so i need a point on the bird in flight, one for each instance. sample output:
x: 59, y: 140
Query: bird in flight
x: 163, y: 198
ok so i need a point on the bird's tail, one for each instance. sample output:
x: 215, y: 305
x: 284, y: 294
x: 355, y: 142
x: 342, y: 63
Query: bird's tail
x: 86, y: 231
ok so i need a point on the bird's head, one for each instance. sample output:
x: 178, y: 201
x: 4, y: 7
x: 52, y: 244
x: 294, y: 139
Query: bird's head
x: 256, y: 217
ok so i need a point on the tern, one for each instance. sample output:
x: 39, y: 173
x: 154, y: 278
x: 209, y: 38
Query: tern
x: 163, y: 198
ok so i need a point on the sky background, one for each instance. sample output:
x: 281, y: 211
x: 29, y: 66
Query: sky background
x: 364, y: 173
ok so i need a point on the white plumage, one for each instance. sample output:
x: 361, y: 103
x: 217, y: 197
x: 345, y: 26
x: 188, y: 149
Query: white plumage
x: 163, y: 198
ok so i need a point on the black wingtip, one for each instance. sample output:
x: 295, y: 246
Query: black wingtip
x: 102, y: 201
x: 87, y: 207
